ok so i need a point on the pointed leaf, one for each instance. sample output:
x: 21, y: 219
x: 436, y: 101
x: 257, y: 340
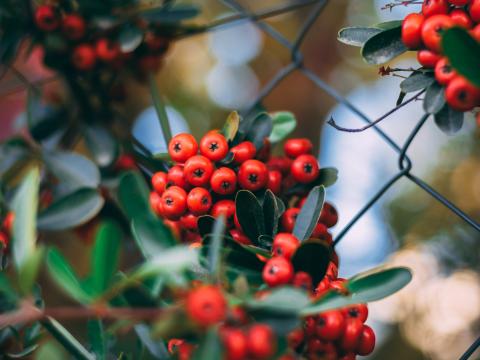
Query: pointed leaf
x: 96, y: 336
x: 156, y: 347
x: 284, y: 123
x: 284, y: 300
x: 129, y: 38
x: 151, y: 235
x: 434, y: 98
x: 102, y: 145
x: 270, y: 213
x: 417, y: 81
x: 28, y: 273
x: 356, y: 35
x: 133, y: 195
x: 308, y: 217
x: 231, y: 126
x: 216, y: 246
x: 250, y: 215
x: 384, y: 46
x: 261, y: 128
x: 448, y: 120
x: 159, y: 105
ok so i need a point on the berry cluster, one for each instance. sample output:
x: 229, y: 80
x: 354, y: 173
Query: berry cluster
x: 6, y: 230
x: 423, y: 32
x: 87, y: 48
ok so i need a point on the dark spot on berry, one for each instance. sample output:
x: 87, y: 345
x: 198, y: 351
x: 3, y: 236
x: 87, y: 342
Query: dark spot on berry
x: 308, y: 168
x: 213, y: 146
x: 253, y: 178
x: 447, y: 69
x: 225, y: 185
x: 177, y: 147
x: 272, y: 270
x: 198, y: 172
x: 169, y: 201
x: 204, y: 200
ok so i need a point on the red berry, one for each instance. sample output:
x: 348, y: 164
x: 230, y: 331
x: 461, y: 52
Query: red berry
x: 281, y: 164
x: 474, y: 10
x: 274, y: 181
x: 461, y: 95
x: 434, y: 7
x: 214, y: 146
x: 367, y: 341
x: 224, y: 181
x: 155, y: 203
x: 125, y: 162
x: 317, y: 348
x: 174, y: 344
x: 305, y: 169
x: 182, y: 147
x: 348, y: 356
x: 293, y: 148
x: 244, y: 151
x: 189, y: 221
x: 321, y: 232
x: 199, y: 201
x: 261, y: 341
x: 176, y: 176
x: 475, y: 32
x: 444, y: 72
x: 84, y: 57
x: 329, y: 215
x: 235, y: 344
x: 107, y: 50
x: 351, y: 335
x: 285, y: 244
x: 73, y: 26
x: 433, y: 29
x: 428, y: 58
x: 46, y: 18
x: 4, y: 239
x: 412, y: 30
x: 225, y: 208
x: 332, y: 271
x: 277, y: 271
x: 461, y: 18
x: 206, y: 305
x: 459, y: 2
x: 309, y: 326
x: 322, y: 287
x: 359, y: 311
x: 8, y: 222
x: 174, y: 202
x: 253, y: 175
x: 159, y: 181
x: 295, y: 338
x: 155, y: 42
x: 198, y: 170
x: 174, y: 227
x: 303, y: 280
x: 289, y: 218
x: 240, y: 237
x: 330, y: 325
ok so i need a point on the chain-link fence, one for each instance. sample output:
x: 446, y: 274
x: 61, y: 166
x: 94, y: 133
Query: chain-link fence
x: 296, y: 64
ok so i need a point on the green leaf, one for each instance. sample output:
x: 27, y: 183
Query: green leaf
x: 417, y: 81
x: 102, y: 145
x: 133, y: 195
x: 216, y: 246
x: 28, y: 272
x: 50, y: 351
x: 105, y: 255
x: 63, y: 274
x: 434, y: 98
x: 72, y: 169
x: 24, y: 353
x: 96, y: 336
x: 260, y: 129
x: 308, y: 217
x: 384, y: 46
x: 171, y: 14
x: 68, y: 341
x: 312, y: 256
x: 284, y: 300
x: 210, y: 347
x: 284, y: 123
x: 364, y: 288
x: 388, y: 24
x: 130, y: 38
x: 151, y: 235
x: 356, y: 35
x: 230, y: 127
x: 160, y: 109
x: 70, y: 211
x: 449, y: 120
x: 250, y: 215
x: 463, y: 53
x: 205, y: 225
x: 327, y: 176
x: 270, y: 213
x: 24, y: 206
x: 257, y: 250
x: 156, y: 347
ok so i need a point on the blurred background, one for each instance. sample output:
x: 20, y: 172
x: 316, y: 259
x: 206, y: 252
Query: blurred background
x: 206, y: 76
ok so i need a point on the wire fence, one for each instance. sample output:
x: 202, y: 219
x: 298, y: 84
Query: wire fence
x: 405, y: 163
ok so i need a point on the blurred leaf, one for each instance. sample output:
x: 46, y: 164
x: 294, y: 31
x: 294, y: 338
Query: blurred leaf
x: 260, y: 129
x: 417, y: 81
x: 309, y: 214
x: 250, y: 215
x: 24, y: 353
x: 133, y: 195
x: 388, y: 24
x: 434, y: 98
x: 327, y: 176
x: 216, y: 245
x: 68, y: 341
x: 356, y: 35
x: 171, y: 14
x: 70, y: 211
x: 284, y: 300
x: 449, y: 120
x: 160, y: 109
x: 364, y: 288
x: 312, y: 256
x: 270, y: 213
x: 102, y: 145
x: 151, y: 235
x: 105, y: 255
x: 384, y: 46
x: 155, y: 347
x: 24, y: 206
x: 73, y: 169
x: 65, y: 277
x: 28, y: 272
x: 463, y: 53
x: 284, y: 123
x: 230, y: 127
x: 205, y: 224
x: 129, y: 38
x: 96, y: 336
x: 210, y: 347
x: 50, y: 351
x: 257, y: 250
x: 400, y: 98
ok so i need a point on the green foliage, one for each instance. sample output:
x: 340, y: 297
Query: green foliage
x: 284, y: 123
x: 384, y: 46
x: 434, y: 98
x: 312, y: 256
x: 417, y: 81
x: 230, y: 128
x: 309, y: 215
x: 448, y: 120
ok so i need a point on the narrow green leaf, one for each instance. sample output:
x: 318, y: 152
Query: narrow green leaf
x: 70, y: 211
x: 250, y: 215
x: 210, y: 347
x: 216, y: 245
x: 388, y: 24
x: 260, y: 129
x: 417, y: 81
x: 105, y: 255
x: 24, y: 206
x: 96, y: 336
x: 257, y: 251
x: 448, y: 120
x: 27, y: 274
x: 151, y: 235
x: 356, y: 35
x: 230, y: 127
x: 308, y: 217
x: 284, y: 123
x: 270, y: 213
x: 434, y: 98
x: 284, y: 300
x: 363, y: 288
x: 133, y: 195
x: 67, y: 340
x: 63, y: 274
x: 160, y: 109
x: 102, y: 145
x: 463, y: 53
x: 384, y: 46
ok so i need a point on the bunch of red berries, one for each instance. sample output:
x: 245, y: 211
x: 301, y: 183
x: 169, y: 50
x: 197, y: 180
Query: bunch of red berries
x: 97, y: 47
x: 207, y: 175
x: 423, y: 32
x: 6, y: 231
